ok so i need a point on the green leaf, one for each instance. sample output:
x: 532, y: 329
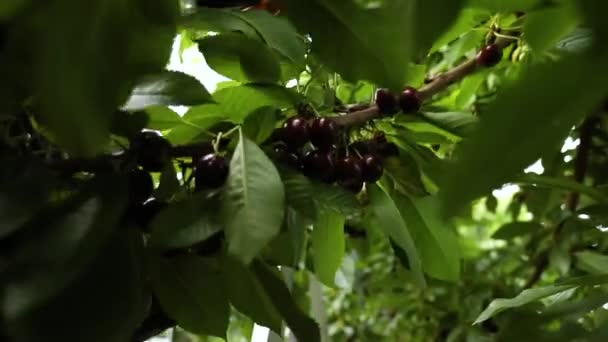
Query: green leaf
x: 458, y: 123
x: 372, y: 56
x: 299, y: 192
x: 466, y: 20
x: 562, y: 19
x: 525, y: 297
x: 162, y: 118
x: 107, y: 301
x: 437, y: 242
x: 247, y: 294
x: 430, y: 23
x: 386, y: 215
x: 60, y: 241
x: 169, y: 88
x: 240, y: 101
x: 184, y: 224
x: 260, y: 124
x: 191, y: 291
x: 240, y: 58
x: 592, y: 262
x: 504, y: 5
x: 81, y: 74
x: 335, y: 198
x: 168, y: 184
x: 8, y: 8
x: 404, y: 173
x: 512, y: 230
x: 561, y: 183
x: 279, y: 34
x: 509, y: 137
x: 254, y: 200
x: 328, y: 245
x: 216, y: 20
x: 302, y: 326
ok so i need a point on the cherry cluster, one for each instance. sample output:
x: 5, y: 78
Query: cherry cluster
x: 152, y: 152
x: 408, y: 101
x: 324, y: 159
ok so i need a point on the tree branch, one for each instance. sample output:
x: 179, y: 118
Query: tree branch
x: 435, y: 86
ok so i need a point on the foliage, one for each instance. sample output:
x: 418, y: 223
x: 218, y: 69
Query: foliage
x: 120, y: 218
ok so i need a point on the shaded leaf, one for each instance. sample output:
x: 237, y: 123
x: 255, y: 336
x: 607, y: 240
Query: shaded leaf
x: 386, y: 215
x: 254, y: 200
x: 239, y: 101
x: 191, y: 291
x: 515, y: 229
x: 328, y: 245
x: 302, y: 326
x: 170, y: 88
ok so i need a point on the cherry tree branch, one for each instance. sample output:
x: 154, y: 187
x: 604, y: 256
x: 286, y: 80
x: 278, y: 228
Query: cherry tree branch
x: 438, y: 84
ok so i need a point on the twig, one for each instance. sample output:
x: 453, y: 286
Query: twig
x: 435, y: 86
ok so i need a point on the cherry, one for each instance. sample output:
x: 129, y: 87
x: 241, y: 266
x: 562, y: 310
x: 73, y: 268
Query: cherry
x: 371, y: 168
x: 143, y: 214
x: 295, y: 132
x: 284, y: 155
x: 489, y: 55
x: 319, y: 165
x: 348, y: 169
x: 386, y: 101
x: 322, y: 132
x: 409, y: 100
x: 140, y: 186
x: 152, y: 150
x: 210, y: 171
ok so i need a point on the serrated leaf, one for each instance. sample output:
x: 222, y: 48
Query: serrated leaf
x: 592, y: 262
x: 184, y: 224
x: 191, y: 291
x: 302, y: 326
x: 404, y: 173
x: 562, y: 19
x: 260, y: 124
x: 107, y: 300
x: 247, y: 294
x: 278, y: 33
x: 328, y: 245
x: 525, y: 297
x: 510, y: 137
x: 299, y: 192
x: 385, y: 214
x: 216, y: 20
x: 240, y: 58
x: 162, y: 118
x: 253, y: 201
x: 169, y: 88
x: 512, y: 230
x: 239, y: 101
x: 437, y: 242
x: 335, y: 198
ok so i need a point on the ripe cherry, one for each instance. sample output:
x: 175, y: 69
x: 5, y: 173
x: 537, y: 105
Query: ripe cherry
x: 152, y: 150
x: 371, y: 168
x: 348, y: 169
x: 210, y: 171
x: 295, y: 132
x: 290, y: 158
x: 386, y: 101
x: 143, y: 214
x: 409, y: 100
x: 319, y: 165
x: 489, y: 55
x: 140, y: 186
x: 322, y: 132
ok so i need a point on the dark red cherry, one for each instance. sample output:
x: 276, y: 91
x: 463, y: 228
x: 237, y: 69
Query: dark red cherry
x: 140, y: 186
x: 409, y: 100
x: 210, y: 171
x: 295, y: 132
x: 386, y: 101
x: 284, y: 155
x: 319, y: 165
x: 371, y: 168
x: 348, y: 169
x: 153, y: 151
x: 323, y: 132
x: 489, y: 55
x: 143, y: 214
